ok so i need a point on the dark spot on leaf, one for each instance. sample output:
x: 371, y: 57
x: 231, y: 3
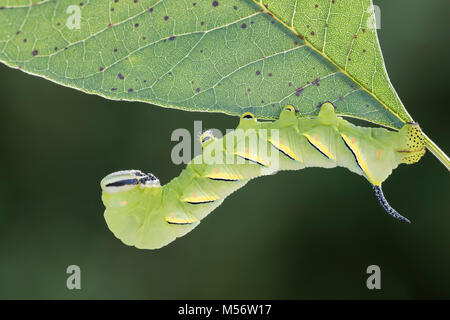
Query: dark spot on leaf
x: 201, y: 51
x: 355, y: 36
x: 364, y: 50
x: 367, y: 106
x: 145, y: 81
x: 130, y: 90
x: 25, y: 40
x: 341, y: 98
x: 172, y: 38
x: 136, y: 25
x: 58, y: 24
x: 17, y: 32
x: 363, y: 30
x: 262, y: 101
x: 298, y: 91
x: 100, y: 69
x: 81, y: 4
x: 248, y: 90
x: 143, y: 38
x: 313, y: 33
x: 116, y: 1
x: 120, y: 76
x: 215, y: 3
x: 269, y: 74
x: 166, y: 18
x: 307, y: 26
x: 243, y: 26
x: 34, y: 52
x: 56, y: 48
x: 112, y: 9
x: 316, y: 6
x: 235, y: 7
x: 197, y: 90
x: 150, y: 9
x: 115, y: 50
x: 135, y: 1
x: 316, y: 82
x: 258, y: 72
x: 290, y: 84
x: 110, y: 25
x: 202, y: 23
x: 194, y: 4
x: 251, y: 22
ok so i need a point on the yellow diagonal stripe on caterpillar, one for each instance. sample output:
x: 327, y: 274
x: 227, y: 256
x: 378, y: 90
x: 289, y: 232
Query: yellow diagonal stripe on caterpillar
x: 199, y: 199
x: 283, y: 148
x: 252, y: 158
x: 173, y: 220
x: 319, y: 145
x: 224, y: 176
x: 352, y: 144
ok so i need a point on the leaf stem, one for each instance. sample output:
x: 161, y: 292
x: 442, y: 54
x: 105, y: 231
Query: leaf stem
x: 437, y: 152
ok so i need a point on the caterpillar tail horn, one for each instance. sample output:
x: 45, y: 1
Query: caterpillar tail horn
x: 386, y: 206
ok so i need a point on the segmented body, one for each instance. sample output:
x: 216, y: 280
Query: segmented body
x: 150, y: 216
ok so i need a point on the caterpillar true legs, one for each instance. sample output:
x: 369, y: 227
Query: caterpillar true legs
x: 141, y: 212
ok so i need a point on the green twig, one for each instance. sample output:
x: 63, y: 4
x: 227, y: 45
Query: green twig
x: 438, y: 153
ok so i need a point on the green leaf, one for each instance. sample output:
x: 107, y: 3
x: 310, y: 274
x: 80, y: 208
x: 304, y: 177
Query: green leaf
x: 228, y: 56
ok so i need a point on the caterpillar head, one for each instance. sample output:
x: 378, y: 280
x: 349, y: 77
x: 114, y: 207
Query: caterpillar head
x: 126, y: 180
x: 415, y: 143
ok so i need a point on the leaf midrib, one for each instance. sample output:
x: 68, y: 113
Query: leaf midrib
x: 338, y: 67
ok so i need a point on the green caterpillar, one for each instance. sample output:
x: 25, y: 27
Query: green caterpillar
x: 141, y: 212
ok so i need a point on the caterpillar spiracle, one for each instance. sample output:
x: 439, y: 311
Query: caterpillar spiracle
x: 141, y: 212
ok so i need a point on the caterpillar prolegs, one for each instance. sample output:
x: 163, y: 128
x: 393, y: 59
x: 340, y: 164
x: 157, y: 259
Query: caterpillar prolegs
x: 141, y: 212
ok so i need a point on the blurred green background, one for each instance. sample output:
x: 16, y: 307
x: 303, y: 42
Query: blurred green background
x: 305, y: 234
